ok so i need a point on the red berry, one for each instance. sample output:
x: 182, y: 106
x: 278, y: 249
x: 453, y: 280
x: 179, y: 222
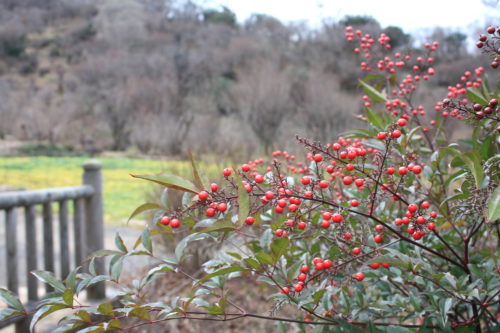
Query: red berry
x: 375, y: 265
x: 319, y: 266
x: 269, y: 195
x: 327, y: 263
x: 318, y: 158
x: 302, y: 277
x: 386, y: 265
x: 214, y: 187
x: 221, y: 207
x: 306, y: 180
x: 433, y: 214
x: 298, y: 288
x: 203, y: 195
x: 420, y: 220
x: 279, y: 232
x: 402, y: 122
x: 356, y: 251
x: 327, y: 215
x: 325, y: 224
x: 403, y: 171
x: 165, y: 220
x: 347, y: 236
x: 354, y: 203
x: 391, y: 171
x: 379, y: 227
x: 285, y: 290
x: 378, y: 239
x: 308, y: 194
x: 396, y: 134
x: 316, y: 260
x: 412, y: 208
x: 359, y: 182
x: 425, y: 204
x: 245, y: 168
x: 347, y: 180
x: 381, y: 136
x: 250, y: 220
x: 282, y: 203
x: 210, y: 212
x: 227, y: 172
x: 337, y: 218
x: 417, y: 169
x: 431, y: 226
x: 301, y: 225
x: 259, y: 179
x: 491, y: 30
x: 352, y: 154
x: 175, y: 223
x: 359, y: 276
x: 304, y: 269
x: 323, y: 184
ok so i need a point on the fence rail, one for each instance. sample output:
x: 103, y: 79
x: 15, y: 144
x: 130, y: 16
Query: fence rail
x: 88, y: 233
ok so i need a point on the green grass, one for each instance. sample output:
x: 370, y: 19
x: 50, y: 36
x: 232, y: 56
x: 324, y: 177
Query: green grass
x: 122, y: 193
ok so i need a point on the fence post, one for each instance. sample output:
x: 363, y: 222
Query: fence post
x: 94, y: 224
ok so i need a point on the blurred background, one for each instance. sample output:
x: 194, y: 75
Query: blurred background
x: 139, y: 83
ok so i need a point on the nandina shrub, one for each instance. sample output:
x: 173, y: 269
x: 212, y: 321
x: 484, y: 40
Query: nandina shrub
x: 387, y: 229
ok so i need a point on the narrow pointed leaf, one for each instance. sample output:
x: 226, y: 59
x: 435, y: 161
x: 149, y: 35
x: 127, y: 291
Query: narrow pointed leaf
x: 170, y: 181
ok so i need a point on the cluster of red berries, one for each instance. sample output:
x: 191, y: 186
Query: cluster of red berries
x: 319, y: 265
x: 418, y: 220
x: 491, y: 44
x: 172, y: 222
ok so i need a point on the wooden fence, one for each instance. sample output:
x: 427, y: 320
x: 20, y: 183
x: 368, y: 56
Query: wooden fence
x: 87, y: 229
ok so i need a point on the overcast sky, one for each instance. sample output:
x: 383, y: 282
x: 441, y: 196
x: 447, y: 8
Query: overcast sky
x: 409, y: 15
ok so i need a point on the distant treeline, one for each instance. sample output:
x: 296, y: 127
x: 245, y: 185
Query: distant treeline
x: 163, y: 77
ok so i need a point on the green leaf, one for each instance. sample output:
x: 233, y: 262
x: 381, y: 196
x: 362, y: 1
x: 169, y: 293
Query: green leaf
x: 170, y: 181
x: 197, y: 175
x: 11, y: 299
x: 71, y: 278
x: 105, y: 309
x: 252, y: 263
x: 68, y: 296
x: 451, y: 279
x: 158, y: 269
x: 43, y: 312
x: 116, y: 269
x: 407, y: 138
x: 146, y: 240
x: 7, y: 313
x: 220, y: 226
x: 119, y: 243
x: 475, y: 96
x: 373, y: 93
x: 348, y: 326
x: 143, y: 208
x: 179, y: 249
x: 375, y: 119
x: 49, y: 277
x: 494, y: 206
x: 104, y: 253
x: 472, y: 160
x: 222, y: 271
x: 243, y: 200
x: 140, y: 313
x: 279, y: 246
x: 264, y: 258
